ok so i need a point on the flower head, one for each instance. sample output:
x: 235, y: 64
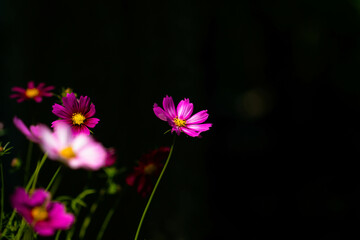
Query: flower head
x: 44, y: 215
x: 32, y: 92
x: 149, y: 168
x: 79, y: 151
x: 180, y: 119
x: 31, y: 133
x: 77, y: 113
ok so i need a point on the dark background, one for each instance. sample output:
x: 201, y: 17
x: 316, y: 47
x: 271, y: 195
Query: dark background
x: 280, y: 80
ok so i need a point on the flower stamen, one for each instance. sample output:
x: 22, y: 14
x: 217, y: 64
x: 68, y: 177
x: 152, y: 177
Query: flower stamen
x: 67, y: 153
x: 39, y: 213
x: 78, y: 118
x: 150, y: 169
x: 32, y: 92
x: 180, y: 123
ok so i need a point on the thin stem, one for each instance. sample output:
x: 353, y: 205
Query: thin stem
x: 37, y: 170
x: 153, y: 191
x: 87, y: 220
x: 53, y: 178
x: 58, y: 235
x: 27, y: 163
x: 2, y: 215
x: 20, y: 231
x: 32, y: 182
x: 107, y: 219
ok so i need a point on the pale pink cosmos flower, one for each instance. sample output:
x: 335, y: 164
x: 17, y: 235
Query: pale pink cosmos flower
x: 76, y: 151
x: 32, y: 92
x: 42, y: 214
x: 32, y: 133
x: 180, y: 119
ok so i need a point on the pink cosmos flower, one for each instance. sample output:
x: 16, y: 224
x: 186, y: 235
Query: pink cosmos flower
x: 145, y: 174
x: 31, y: 133
x: 77, y: 113
x: 76, y: 151
x: 43, y: 215
x: 180, y: 119
x: 32, y: 92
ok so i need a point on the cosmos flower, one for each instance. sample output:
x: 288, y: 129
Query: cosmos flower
x: 110, y: 157
x: 32, y: 92
x: 76, y: 151
x: 145, y: 174
x: 42, y: 214
x: 77, y: 113
x: 31, y: 133
x: 180, y: 119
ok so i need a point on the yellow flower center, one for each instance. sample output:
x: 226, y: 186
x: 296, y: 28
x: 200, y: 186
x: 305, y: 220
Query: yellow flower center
x: 39, y: 213
x: 180, y: 123
x: 32, y: 92
x: 67, y: 153
x: 78, y: 118
x: 150, y: 169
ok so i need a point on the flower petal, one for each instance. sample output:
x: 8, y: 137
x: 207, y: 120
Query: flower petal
x: 18, y: 89
x: 169, y: 106
x: 91, y: 122
x: 184, y: 109
x: 61, y: 111
x: 58, y: 217
x: 199, y: 117
x: 70, y: 102
x: 31, y: 84
x: 21, y: 126
x: 159, y: 112
x: 91, y: 111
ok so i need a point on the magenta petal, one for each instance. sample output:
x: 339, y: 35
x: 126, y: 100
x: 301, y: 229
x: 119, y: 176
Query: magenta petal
x: 91, y: 111
x: 91, y: 122
x: 59, y: 218
x: 21, y: 126
x: 80, y: 129
x: 184, y: 109
x: 83, y: 104
x: 31, y: 84
x: 38, y: 99
x: 60, y: 122
x: 70, y: 102
x: 60, y: 111
x: 199, y: 117
x: 18, y: 89
x: 159, y: 112
x: 191, y: 132
x: 200, y: 127
x: 38, y: 197
x: 169, y: 106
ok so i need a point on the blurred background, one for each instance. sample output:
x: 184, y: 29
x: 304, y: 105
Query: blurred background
x: 280, y: 80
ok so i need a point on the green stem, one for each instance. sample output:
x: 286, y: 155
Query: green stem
x: 53, y: 178
x: 153, y: 191
x: 27, y: 163
x: 20, y: 231
x: 58, y: 235
x: 87, y: 220
x: 32, y: 182
x: 107, y: 219
x: 2, y: 215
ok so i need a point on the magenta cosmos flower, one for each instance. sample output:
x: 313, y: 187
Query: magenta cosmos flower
x: 32, y: 92
x: 145, y: 174
x: 180, y: 119
x: 31, y: 133
x: 76, y: 151
x: 43, y: 215
x: 77, y: 113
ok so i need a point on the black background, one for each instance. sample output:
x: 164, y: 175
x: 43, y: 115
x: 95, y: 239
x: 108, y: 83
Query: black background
x: 280, y: 81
